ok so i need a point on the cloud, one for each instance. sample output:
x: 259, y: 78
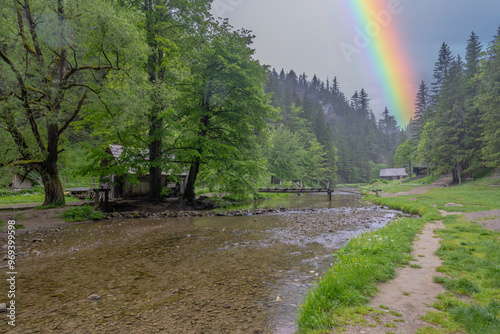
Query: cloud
x: 306, y: 35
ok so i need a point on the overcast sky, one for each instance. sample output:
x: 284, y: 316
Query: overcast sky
x: 305, y: 35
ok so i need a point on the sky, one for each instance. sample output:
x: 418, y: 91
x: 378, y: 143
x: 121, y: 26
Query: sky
x: 386, y: 47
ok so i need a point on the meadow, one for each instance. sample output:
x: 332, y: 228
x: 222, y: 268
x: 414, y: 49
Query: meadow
x: 471, y: 255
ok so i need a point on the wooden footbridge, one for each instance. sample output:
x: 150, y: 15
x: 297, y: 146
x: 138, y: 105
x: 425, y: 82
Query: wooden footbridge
x: 297, y: 189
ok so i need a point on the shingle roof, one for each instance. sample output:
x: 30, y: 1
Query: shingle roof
x: 117, y: 150
x: 390, y: 172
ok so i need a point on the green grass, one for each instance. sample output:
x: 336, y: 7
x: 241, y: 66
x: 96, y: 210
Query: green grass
x: 471, y: 261
x: 401, y: 185
x: 369, y: 259
x: 478, y: 196
x: 479, y: 319
x: 81, y: 213
x: 28, y: 196
x: 471, y: 256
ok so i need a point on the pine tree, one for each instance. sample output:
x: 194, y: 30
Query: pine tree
x: 450, y: 114
x: 282, y: 76
x: 335, y: 86
x: 355, y: 101
x: 364, y: 104
x: 441, y: 69
x: 489, y: 102
x: 472, y: 141
x: 472, y: 56
x: 421, y: 105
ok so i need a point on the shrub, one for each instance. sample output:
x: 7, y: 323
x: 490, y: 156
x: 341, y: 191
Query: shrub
x: 81, y: 213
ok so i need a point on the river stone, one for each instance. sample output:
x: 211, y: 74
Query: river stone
x: 94, y: 297
x: 3, y: 307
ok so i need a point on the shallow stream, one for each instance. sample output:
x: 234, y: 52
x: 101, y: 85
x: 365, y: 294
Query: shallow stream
x: 244, y: 274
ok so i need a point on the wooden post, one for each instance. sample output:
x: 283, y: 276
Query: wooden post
x: 96, y: 198
x: 329, y: 195
x: 106, y: 200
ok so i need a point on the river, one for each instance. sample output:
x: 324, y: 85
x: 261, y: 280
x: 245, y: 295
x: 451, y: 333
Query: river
x: 245, y: 274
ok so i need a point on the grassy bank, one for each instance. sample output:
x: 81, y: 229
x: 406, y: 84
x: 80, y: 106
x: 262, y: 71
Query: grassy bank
x: 470, y: 252
x: 33, y: 195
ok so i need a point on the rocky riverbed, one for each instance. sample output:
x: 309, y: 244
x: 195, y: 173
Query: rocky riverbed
x: 228, y: 272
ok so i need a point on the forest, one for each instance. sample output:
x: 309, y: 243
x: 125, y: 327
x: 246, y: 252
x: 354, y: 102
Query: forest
x: 456, y: 127
x: 180, y: 91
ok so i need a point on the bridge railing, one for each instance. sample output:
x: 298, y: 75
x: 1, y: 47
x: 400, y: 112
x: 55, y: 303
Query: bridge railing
x: 296, y: 184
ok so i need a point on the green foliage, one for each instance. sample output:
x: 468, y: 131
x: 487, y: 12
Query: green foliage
x: 488, y: 101
x: 286, y: 157
x: 81, y: 213
x: 471, y: 257
x: 461, y: 285
x: 375, y: 170
x: 479, y: 319
x: 349, y: 133
x: 222, y: 108
x: 405, y: 154
x: 77, y: 46
x: 365, y: 261
x: 459, y: 132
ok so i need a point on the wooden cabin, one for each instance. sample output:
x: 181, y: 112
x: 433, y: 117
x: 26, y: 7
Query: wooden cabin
x: 18, y: 182
x: 121, y: 185
x: 393, y: 173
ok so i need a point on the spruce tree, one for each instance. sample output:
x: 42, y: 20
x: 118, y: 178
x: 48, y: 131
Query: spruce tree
x: 488, y: 102
x: 472, y: 137
x: 450, y: 112
x: 364, y: 104
x: 472, y: 56
x: 421, y: 105
x: 441, y: 69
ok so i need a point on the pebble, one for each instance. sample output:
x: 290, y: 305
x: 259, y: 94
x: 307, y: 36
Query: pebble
x: 3, y: 307
x: 94, y: 297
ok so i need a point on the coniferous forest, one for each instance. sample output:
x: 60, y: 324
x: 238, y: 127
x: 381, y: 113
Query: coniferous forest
x: 354, y: 143
x: 456, y: 128
x: 181, y: 92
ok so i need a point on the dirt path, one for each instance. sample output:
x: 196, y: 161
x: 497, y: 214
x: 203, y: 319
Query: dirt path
x: 443, y: 181
x: 402, y: 301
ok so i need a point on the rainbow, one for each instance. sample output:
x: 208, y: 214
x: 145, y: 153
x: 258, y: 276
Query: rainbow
x: 377, y: 35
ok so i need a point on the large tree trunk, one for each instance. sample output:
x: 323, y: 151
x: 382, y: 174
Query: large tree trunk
x: 54, y: 193
x: 189, y: 192
x: 155, y: 184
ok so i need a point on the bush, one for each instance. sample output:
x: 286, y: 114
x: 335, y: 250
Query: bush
x: 81, y: 213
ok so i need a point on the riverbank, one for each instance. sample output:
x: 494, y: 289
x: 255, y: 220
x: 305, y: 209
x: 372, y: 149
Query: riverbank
x: 463, y: 288
x: 218, y: 274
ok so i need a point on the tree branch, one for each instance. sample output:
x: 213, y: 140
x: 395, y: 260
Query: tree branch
x: 24, y: 98
x: 33, y: 33
x: 22, y: 33
x: 73, y: 116
x: 86, y: 67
